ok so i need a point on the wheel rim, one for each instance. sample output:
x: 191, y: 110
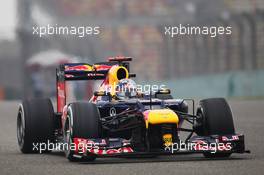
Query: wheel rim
x: 67, y: 138
x: 20, y: 128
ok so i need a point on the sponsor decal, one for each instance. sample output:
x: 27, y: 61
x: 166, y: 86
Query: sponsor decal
x: 112, y: 111
x: 101, y: 67
x: 167, y: 139
x: 94, y: 74
x: 98, y: 146
x: 69, y: 76
x: 78, y: 68
x: 110, y: 151
x: 233, y: 138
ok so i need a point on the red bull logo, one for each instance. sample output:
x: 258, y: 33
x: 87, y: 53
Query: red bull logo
x: 78, y: 68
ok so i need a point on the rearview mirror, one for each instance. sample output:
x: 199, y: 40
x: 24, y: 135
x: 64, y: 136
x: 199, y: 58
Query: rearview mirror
x: 102, y: 93
x: 163, y: 91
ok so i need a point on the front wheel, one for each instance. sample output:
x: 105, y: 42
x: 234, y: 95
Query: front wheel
x: 214, y: 118
x: 83, y: 121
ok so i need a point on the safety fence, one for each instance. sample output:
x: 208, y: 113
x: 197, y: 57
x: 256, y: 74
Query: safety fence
x: 233, y: 84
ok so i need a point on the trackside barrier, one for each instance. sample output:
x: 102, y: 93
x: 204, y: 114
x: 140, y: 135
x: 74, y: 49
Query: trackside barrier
x: 233, y: 84
x: 2, y: 93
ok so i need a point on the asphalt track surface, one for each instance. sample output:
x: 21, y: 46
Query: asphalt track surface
x: 248, y: 117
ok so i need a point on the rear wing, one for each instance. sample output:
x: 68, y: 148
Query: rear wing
x: 85, y: 71
x: 82, y: 71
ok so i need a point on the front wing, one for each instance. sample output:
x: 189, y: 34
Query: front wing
x: 117, y: 147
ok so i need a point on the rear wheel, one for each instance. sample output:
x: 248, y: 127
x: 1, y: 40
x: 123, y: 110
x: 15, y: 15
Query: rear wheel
x: 83, y: 121
x: 35, y: 125
x: 214, y: 118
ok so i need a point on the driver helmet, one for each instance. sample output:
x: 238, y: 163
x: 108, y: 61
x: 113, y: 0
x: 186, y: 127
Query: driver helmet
x: 125, y: 89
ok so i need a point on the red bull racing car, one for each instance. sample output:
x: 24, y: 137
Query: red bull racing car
x: 121, y: 121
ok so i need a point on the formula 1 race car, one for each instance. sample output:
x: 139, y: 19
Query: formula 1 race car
x: 121, y: 121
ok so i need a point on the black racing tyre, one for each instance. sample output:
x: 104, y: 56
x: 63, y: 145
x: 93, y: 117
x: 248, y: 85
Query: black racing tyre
x: 35, y: 125
x: 84, y: 119
x: 214, y: 118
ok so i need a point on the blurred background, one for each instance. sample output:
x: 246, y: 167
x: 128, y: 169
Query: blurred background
x: 191, y: 65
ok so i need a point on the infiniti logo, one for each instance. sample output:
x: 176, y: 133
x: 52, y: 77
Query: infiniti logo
x: 112, y: 111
